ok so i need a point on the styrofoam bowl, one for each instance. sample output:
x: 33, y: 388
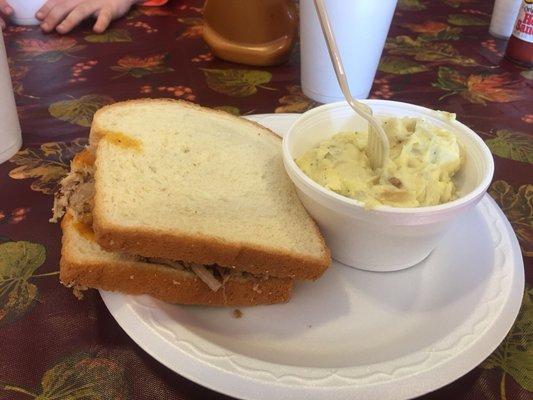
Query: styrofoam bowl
x: 383, y: 238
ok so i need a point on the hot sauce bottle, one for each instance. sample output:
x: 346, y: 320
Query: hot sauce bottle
x: 520, y: 46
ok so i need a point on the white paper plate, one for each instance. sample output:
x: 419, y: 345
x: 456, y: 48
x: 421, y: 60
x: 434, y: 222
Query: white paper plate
x: 352, y: 334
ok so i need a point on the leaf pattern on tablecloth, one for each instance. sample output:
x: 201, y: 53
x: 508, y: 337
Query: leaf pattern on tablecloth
x: 178, y: 91
x: 16, y: 216
x: 79, y: 111
x: 18, y: 73
x: 527, y: 74
x: 229, y: 109
x: 381, y: 89
x: 110, y: 36
x: 195, y: 27
x: 47, y: 164
x: 514, y: 356
x: 411, y: 5
x: 18, y: 263
x: 516, y: 146
x: 467, y: 20
x: 518, y: 207
x: 527, y: 118
x: 295, y: 101
x: 423, y: 50
x: 433, y: 31
x: 458, y: 3
x: 198, y: 10
x: 400, y: 66
x: 147, y: 28
x: 133, y: 13
x: 80, y: 376
x: 155, y: 11
x: 205, y: 57
x: 51, y: 50
x: 479, y: 88
x: 236, y: 82
x: 141, y: 66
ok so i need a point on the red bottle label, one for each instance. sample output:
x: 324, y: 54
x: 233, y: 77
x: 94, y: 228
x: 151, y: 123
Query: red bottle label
x: 524, y: 22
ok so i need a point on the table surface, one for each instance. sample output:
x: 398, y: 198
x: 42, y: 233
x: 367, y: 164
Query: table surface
x: 438, y: 54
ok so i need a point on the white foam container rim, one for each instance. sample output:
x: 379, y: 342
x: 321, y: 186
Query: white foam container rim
x: 421, y: 212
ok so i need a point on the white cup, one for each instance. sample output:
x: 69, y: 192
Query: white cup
x: 383, y: 238
x: 503, y: 18
x: 10, y: 135
x: 25, y: 11
x: 360, y: 28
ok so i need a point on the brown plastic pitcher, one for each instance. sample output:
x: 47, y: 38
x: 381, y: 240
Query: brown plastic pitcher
x: 254, y: 32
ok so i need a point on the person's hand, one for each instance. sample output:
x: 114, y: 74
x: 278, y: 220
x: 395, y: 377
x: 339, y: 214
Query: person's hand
x: 63, y: 15
x: 5, y: 9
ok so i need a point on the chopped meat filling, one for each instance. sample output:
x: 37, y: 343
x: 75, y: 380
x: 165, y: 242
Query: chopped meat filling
x: 76, y: 192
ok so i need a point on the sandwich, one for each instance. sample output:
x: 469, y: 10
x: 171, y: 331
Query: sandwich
x: 186, y: 204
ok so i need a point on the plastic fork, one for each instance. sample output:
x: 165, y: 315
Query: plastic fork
x: 378, y: 142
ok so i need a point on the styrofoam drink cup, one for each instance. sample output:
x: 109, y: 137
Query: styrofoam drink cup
x: 10, y: 135
x: 360, y: 28
x: 503, y: 18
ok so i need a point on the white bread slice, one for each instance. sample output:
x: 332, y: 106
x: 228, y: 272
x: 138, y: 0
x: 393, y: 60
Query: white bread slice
x: 84, y: 264
x: 179, y: 181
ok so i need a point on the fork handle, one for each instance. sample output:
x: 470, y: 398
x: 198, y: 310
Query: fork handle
x: 376, y: 133
x: 335, y: 58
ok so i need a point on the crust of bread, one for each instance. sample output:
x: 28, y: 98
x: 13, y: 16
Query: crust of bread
x: 97, y: 132
x: 169, y: 286
x: 204, y: 250
x: 162, y: 282
x: 200, y: 250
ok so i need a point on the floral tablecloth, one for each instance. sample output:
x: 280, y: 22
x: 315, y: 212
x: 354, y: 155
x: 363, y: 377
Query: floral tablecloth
x: 53, y: 346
